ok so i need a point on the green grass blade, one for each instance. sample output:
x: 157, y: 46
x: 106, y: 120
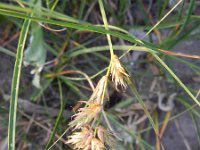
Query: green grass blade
x: 8, y: 52
x: 164, y: 17
x: 67, y: 22
x: 15, y: 85
x: 184, y: 102
x: 50, y: 141
x: 196, y: 127
x: 105, y: 48
x: 54, y: 4
x: 176, y: 78
x: 138, y: 97
x: 42, y: 12
x: 72, y: 86
x: 191, y: 6
x: 81, y: 10
x: 37, y: 93
x: 162, y: 6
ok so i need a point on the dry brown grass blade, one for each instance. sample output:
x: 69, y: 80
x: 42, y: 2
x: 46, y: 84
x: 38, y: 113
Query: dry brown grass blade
x: 180, y: 54
x: 157, y: 146
x: 166, y: 120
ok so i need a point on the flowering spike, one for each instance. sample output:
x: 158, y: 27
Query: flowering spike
x: 118, y: 73
x: 97, y: 96
x: 81, y: 139
x: 85, y: 115
x: 96, y: 144
x: 85, y: 139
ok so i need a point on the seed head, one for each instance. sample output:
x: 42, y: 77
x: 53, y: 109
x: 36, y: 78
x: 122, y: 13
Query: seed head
x: 85, y: 139
x: 118, y: 73
x: 81, y: 139
x: 97, y: 144
x: 97, y: 96
x: 85, y: 115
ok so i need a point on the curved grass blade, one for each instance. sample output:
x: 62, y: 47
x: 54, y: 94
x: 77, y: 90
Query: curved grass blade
x: 78, y: 25
x: 15, y: 85
x: 138, y: 97
x: 50, y: 141
x: 176, y: 78
x: 105, y: 48
x: 42, y: 12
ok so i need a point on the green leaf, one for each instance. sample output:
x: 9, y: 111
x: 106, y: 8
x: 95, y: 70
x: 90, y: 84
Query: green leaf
x: 35, y: 54
x: 15, y: 85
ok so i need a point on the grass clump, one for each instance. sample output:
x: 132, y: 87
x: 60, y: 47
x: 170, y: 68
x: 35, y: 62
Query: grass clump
x: 74, y: 44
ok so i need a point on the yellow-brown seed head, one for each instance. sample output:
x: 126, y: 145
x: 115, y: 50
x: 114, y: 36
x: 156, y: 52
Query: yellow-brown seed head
x: 98, y: 94
x: 81, y: 139
x: 85, y: 115
x: 118, y: 73
x: 97, y: 144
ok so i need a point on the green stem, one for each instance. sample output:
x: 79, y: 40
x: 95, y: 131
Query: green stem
x: 58, y: 118
x: 106, y: 26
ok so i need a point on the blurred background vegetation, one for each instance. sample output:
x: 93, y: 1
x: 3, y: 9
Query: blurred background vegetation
x: 65, y: 49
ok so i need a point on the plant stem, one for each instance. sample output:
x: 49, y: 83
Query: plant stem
x: 106, y: 26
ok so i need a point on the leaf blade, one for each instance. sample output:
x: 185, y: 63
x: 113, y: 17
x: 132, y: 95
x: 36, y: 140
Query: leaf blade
x: 15, y: 85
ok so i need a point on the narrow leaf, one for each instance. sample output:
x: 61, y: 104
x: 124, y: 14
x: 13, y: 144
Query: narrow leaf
x: 15, y: 85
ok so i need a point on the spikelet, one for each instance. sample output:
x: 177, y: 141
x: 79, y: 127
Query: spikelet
x: 97, y: 95
x: 85, y: 115
x: 81, y: 139
x: 93, y: 107
x: 119, y: 74
x: 96, y: 144
x: 85, y: 139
